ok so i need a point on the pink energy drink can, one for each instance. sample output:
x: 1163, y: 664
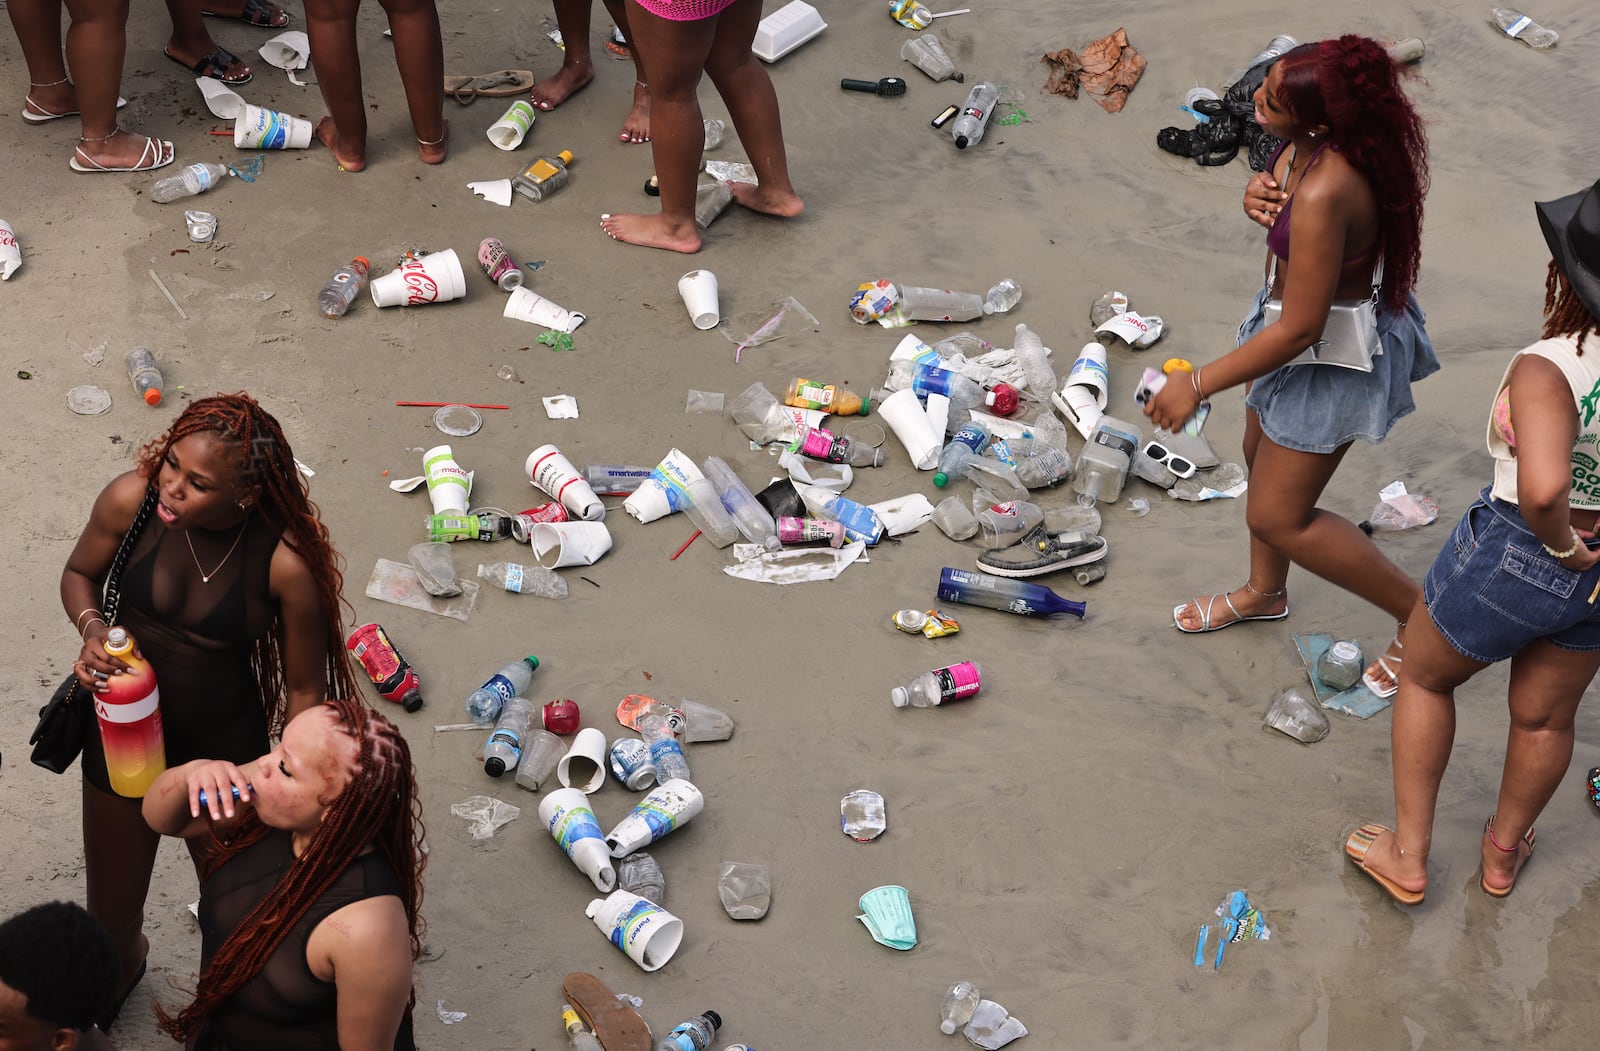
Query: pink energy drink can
x: 821, y: 444
x: 809, y: 530
x: 497, y: 263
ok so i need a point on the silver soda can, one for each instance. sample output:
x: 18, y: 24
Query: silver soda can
x: 630, y: 763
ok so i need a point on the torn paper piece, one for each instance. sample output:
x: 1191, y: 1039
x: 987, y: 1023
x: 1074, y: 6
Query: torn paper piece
x: 220, y: 100
x: 288, y: 51
x: 793, y: 565
x: 495, y: 191
x: 561, y: 407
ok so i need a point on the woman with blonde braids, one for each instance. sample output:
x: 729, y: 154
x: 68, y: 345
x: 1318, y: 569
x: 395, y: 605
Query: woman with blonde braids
x: 231, y: 591
x: 311, y: 885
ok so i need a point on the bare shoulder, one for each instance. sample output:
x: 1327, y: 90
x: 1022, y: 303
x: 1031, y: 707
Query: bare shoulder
x: 119, y: 501
x: 361, y: 941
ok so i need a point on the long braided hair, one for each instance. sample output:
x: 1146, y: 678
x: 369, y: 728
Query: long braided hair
x: 1564, y: 313
x: 1353, y: 86
x: 378, y: 806
x: 265, y: 465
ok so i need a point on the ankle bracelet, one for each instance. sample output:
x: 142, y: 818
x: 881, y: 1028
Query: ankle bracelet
x: 103, y: 138
x: 1264, y: 594
x: 53, y: 83
x: 435, y: 142
x: 1504, y: 850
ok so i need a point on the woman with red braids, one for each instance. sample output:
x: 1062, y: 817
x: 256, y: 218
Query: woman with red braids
x: 310, y: 891
x: 231, y: 591
x: 1346, y: 187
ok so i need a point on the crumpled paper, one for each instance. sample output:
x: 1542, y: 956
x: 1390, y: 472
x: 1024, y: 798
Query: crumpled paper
x: 1108, y: 70
x: 485, y: 813
x: 288, y: 51
x: 794, y: 565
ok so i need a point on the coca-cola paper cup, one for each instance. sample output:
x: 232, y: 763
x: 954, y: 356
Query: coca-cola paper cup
x: 434, y: 278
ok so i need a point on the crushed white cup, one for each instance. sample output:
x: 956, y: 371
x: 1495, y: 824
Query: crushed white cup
x: 550, y: 470
x: 699, y: 291
x: 508, y: 132
x: 638, y: 926
x: 10, y: 251
x: 1082, y: 399
x: 526, y: 305
x: 584, y: 765
x: 434, y: 278
x: 559, y: 544
x: 268, y: 129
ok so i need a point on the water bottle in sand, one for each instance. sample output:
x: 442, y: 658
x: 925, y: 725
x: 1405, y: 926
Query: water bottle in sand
x: 145, y: 374
x: 343, y: 287
x: 580, y: 1038
x: 195, y: 179
x: 940, y: 686
x: 1518, y: 25
x: 955, y: 1010
x: 665, y: 751
x: 695, y: 1034
x: 503, y: 750
x: 975, y: 114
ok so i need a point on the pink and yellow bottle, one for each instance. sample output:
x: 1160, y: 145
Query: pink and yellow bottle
x: 129, y: 712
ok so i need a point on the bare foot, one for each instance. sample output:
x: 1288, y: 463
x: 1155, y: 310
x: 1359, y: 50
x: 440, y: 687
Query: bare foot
x: 636, y: 128
x: 435, y: 152
x: 784, y: 203
x: 328, y: 135
x: 652, y: 231
x: 554, y: 90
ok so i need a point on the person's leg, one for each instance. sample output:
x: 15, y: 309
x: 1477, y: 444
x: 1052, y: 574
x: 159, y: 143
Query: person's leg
x: 741, y: 79
x: 577, y: 66
x: 38, y: 27
x: 1421, y: 734
x: 1547, y: 682
x: 636, y: 125
x: 675, y: 54
x: 1265, y: 592
x: 191, y: 41
x: 96, y: 45
x: 331, y: 28
x: 419, y: 53
x: 119, y: 853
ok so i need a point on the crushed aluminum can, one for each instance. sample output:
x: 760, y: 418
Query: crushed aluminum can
x: 202, y: 226
x: 630, y: 763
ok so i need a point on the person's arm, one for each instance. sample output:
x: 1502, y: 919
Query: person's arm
x: 86, y: 567
x: 1546, y: 423
x: 171, y: 806
x: 305, y: 630
x: 1317, y: 229
x: 365, y: 950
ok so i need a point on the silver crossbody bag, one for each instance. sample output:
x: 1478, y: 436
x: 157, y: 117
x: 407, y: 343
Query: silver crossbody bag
x: 1350, y: 337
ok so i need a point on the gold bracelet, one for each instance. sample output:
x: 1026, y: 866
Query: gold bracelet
x: 1577, y: 542
x: 79, y: 617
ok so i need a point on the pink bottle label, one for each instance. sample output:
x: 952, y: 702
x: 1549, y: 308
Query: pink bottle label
x: 958, y: 682
x: 807, y: 530
x: 821, y: 444
x: 494, y: 258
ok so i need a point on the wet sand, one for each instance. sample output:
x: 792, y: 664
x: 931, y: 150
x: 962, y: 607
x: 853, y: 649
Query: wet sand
x: 1063, y: 835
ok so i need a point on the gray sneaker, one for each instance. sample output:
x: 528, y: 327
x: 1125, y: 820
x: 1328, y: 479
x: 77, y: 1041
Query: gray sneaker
x: 1043, y: 552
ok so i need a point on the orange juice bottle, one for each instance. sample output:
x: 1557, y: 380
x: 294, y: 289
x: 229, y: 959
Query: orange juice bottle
x: 806, y: 394
x: 129, y: 712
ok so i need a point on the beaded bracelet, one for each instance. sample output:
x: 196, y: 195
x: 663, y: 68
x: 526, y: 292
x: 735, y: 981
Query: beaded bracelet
x: 1577, y: 542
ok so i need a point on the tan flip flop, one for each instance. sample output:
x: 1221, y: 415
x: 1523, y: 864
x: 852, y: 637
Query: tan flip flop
x: 500, y: 84
x: 615, y: 1023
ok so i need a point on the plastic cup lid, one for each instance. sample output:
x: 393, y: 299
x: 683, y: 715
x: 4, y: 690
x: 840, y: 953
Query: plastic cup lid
x: 88, y: 401
x: 458, y: 421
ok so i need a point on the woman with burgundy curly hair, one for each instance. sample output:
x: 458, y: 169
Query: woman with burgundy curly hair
x: 231, y: 591
x: 1354, y: 168
x: 311, y: 886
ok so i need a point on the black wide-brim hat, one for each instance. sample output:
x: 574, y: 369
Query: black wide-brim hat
x: 1571, y: 228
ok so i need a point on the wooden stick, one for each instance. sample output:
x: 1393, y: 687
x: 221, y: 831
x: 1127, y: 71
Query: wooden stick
x: 164, y: 292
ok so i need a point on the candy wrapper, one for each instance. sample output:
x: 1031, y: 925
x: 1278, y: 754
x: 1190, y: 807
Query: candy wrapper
x: 932, y: 624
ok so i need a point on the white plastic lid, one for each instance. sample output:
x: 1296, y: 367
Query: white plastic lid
x: 900, y: 696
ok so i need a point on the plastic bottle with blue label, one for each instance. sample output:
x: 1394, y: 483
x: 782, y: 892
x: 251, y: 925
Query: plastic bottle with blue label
x: 665, y: 751
x: 860, y: 521
x: 512, y: 680
x: 503, y: 750
x: 695, y: 1034
x: 971, y: 437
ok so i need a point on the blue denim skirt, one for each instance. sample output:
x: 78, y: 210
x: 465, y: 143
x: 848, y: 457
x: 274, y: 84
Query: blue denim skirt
x: 1493, y: 589
x: 1318, y: 408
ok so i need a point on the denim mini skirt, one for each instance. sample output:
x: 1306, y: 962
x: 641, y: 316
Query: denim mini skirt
x: 1493, y: 588
x: 1318, y: 408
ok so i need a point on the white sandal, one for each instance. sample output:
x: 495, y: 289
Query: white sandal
x: 157, y: 153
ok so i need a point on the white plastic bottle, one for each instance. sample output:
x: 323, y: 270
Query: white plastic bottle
x: 665, y: 751
x: 512, y: 680
x: 1035, y: 363
x: 503, y: 750
x: 955, y: 1010
x: 693, y: 1035
x: 195, y: 179
x: 343, y: 287
x: 975, y: 114
x: 524, y: 580
x: 1516, y: 24
x: 940, y: 686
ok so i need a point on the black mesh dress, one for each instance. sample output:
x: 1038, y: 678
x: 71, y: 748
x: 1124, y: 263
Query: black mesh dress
x: 285, y: 1007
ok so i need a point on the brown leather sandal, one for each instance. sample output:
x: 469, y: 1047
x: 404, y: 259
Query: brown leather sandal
x: 500, y: 84
x: 616, y: 1024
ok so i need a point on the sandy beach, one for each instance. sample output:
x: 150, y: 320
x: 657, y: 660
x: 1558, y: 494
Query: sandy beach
x: 1064, y: 834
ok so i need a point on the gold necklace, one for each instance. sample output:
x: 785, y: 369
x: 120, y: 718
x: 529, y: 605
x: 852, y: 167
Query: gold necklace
x: 205, y: 578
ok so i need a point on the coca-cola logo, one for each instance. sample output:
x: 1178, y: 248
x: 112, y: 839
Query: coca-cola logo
x: 420, y: 286
x: 7, y: 238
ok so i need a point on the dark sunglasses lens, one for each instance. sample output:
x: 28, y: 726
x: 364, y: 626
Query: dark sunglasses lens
x: 1181, y: 467
x: 1157, y: 451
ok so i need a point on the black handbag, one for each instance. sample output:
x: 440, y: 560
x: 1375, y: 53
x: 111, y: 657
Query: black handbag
x: 64, y: 721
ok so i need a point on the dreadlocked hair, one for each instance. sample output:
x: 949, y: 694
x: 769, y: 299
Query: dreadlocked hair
x: 1353, y: 86
x: 377, y: 806
x: 1564, y: 312
x: 266, y: 468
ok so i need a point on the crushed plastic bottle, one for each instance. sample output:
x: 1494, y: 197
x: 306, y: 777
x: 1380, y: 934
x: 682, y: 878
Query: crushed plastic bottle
x: 1035, y: 363
x: 524, y: 580
x: 639, y: 874
x: 1518, y: 25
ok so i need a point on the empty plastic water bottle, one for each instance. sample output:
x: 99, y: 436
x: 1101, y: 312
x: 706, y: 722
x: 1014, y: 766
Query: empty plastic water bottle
x: 343, y: 287
x: 665, y: 751
x: 975, y: 114
x: 971, y: 436
x: 638, y: 873
x: 1002, y: 297
x: 1516, y: 24
x: 693, y: 1035
x: 195, y: 179
x: 525, y: 580
x: 940, y: 686
x: 753, y: 520
x: 503, y: 750
x: 955, y: 1010
x: 144, y: 373
x: 512, y: 680
x: 715, y: 130
x: 1035, y: 363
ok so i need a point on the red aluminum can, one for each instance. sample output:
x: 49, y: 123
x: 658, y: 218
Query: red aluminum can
x: 561, y: 717
x: 522, y: 522
x: 391, y: 673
